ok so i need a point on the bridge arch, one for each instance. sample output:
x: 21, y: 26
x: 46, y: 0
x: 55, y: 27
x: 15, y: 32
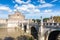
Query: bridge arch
x: 54, y: 35
x: 34, y: 32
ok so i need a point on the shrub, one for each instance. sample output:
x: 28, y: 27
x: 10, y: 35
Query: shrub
x: 9, y: 38
x: 24, y: 37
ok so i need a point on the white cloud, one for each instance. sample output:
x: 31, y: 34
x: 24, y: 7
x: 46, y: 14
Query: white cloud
x: 48, y: 11
x: 30, y: 8
x: 42, y: 5
x: 22, y: 2
x: 46, y: 5
x: 52, y: 13
x: 41, y: 1
x: 5, y: 8
x: 16, y: 5
x: 54, y: 0
x: 4, y: 11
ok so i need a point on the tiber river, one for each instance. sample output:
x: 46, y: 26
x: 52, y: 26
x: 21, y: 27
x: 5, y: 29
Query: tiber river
x: 9, y: 32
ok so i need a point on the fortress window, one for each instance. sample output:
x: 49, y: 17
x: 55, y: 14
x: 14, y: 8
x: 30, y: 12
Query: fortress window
x: 25, y: 27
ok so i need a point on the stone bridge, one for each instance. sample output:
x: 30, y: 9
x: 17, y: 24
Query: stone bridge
x: 51, y: 31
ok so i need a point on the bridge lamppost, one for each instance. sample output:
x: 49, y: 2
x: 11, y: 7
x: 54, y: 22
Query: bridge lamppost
x: 41, y: 30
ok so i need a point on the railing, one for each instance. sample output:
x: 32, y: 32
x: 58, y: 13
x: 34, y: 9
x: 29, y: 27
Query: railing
x: 51, y: 24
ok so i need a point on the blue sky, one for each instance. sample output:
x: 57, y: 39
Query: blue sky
x: 30, y: 8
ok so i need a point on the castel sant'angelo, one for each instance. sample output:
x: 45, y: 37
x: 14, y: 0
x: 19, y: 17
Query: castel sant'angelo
x: 18, y: 22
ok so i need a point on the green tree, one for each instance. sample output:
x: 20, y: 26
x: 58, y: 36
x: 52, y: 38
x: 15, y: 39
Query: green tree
x: 45, y: 19
x: 36, y: 20
x: 56, y: 19
x: 25, y: 37
x: 33, y: 20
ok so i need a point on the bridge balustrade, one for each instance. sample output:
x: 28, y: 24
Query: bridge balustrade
x: 52, y: 24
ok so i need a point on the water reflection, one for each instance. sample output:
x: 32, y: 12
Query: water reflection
x: 0, y: 38
x: 5, y: 33
x: 13, y: 35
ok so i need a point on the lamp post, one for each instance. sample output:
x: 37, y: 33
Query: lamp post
x: 27, y: 31
x: 41, y: 30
